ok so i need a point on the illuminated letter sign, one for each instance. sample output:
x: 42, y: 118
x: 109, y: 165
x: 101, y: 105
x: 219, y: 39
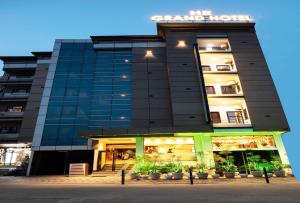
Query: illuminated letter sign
x: 201, y: 16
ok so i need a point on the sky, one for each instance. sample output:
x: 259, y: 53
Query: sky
x: 33, y: 25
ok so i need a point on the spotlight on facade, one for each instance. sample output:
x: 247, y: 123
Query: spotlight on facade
x: 181, y: 44
x: 149, y: 54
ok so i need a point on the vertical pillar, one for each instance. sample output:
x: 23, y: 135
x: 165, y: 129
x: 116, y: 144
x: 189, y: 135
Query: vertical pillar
x: 139, y: 151
x: 95, y: 163
x: 281, y: 149
x: 96, y: 153
x: 198, y: 145
x: 203, y: 146
x: 29, y: 163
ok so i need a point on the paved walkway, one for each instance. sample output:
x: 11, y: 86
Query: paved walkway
x: 117, y: 180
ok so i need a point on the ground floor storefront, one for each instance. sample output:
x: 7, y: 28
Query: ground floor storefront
x: 12, y: 155
x: 191, y: 148
x: 246, y: 149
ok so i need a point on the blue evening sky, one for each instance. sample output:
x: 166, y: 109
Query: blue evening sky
x: 33, y: 25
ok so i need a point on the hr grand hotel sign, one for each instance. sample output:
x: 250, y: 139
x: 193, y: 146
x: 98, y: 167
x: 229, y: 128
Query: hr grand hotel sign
x: 201, y: 16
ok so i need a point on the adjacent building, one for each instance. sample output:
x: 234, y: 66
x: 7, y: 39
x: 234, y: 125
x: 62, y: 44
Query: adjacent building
x: 194, y: 88
x: 22, y: 86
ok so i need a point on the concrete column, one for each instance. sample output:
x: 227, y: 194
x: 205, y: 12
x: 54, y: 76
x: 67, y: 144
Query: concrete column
x: 281, y: 149
x: 95, y: 163
x: 30, y: 163
x: 203, y: 145
x: 139, y: 151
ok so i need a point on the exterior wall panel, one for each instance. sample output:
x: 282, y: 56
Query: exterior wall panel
x: 258, y: 87
x: 33, y: 104
x: 187, y: 99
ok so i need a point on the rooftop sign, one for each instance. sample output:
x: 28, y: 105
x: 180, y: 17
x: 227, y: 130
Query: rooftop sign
x: 199, y: 16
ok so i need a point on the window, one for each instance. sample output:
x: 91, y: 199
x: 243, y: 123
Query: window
x: 223, y: 67
x: 210, y: 89
x: 15, y: 109
x: 242, y: 142
x: 235, y: 117
x: 245, y: 114
x: 215, y: 117
x: 206, y: 68
x: 228, y: 89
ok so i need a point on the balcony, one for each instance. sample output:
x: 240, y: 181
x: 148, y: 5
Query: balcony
x: 9, y: 133
x: 213, y: 45
x: 229, y: 112
x: 217, y: 63
x: 222, y: 86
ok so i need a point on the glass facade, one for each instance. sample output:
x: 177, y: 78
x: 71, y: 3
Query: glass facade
x: 91, y: 90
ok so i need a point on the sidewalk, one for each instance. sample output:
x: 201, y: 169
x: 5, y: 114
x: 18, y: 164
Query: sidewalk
x: 49, y: 180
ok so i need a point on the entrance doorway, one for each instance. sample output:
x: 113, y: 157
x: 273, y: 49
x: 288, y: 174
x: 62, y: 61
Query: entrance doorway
x: 122, y: 153
x: 114, y: 152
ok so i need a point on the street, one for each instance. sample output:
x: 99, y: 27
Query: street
x: 14, y: 191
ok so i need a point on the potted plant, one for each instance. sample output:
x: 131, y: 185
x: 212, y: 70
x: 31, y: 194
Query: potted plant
x: 253, y: 163
x: 142, y: 168
x: 154, y: 170
x: 243, y: 171
x: 165, y: 170
x: 219, y: 161
x: 278, y: 166
x: 202, y: 171
x: 154, y: 173
x: 134, y: 175
x: 229, y: 167
x: 177, y: 171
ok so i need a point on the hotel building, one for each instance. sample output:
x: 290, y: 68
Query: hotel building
x: 192, y: 88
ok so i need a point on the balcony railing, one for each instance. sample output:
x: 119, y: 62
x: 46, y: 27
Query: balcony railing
x: 16, y: 78
x: 232, y: 121
x: 218, y: 69
x: 224, y: 48
x: 11, y: 114
x: 15, y: 94
x: 9, y: 136
x: 226, y: 124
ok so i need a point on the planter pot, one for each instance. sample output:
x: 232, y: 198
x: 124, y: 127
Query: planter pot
x: 269, y: 175
x: 134, y: 176
x: 178, y: 176
x: 279, y: 173
x: 215, y: 176
x: 221, y: 173
x: 155, y: 176
x: 257, y: 174
x: 168, y: 176
x: 202, y: 175
x: 229, y: 174
x: 243, y: 175
x: 144, y: 177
